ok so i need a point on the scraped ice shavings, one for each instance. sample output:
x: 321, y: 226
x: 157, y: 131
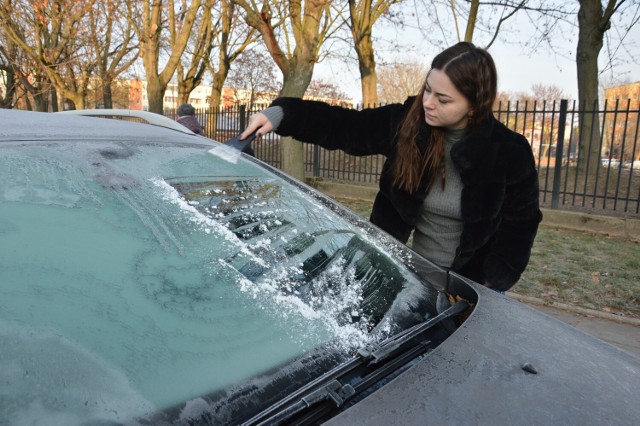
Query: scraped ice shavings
x: 227, y: 153
x: 332, y: 298
x: 207, y: 224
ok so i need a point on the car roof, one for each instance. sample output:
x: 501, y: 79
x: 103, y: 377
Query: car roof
x: 18, y: 125
x: 144, y: 116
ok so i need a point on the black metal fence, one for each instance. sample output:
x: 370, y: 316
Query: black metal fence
x: 571, y: 177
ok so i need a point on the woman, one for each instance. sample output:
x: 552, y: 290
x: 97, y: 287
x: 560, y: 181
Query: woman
x: 459, y: 179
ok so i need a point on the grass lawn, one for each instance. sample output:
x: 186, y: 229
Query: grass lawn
x: 584, y: 269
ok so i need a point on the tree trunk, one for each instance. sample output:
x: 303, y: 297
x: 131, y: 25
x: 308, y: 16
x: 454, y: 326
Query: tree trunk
x: 362, y: 19
x: 155, y: 95
x: 368, y: 76
x: 54, y: 100
x: 292, y: 151
x: 591, y: 29
x: 79, y: 102
x: 42, y: 102
x: 184, y: 89
x: 471, y: 22
x: 41, y: 97
x: 6, y: 102
x: 107, y: 95
x: 215, y: 100
x: 309, y: 27
x: 150, y: 34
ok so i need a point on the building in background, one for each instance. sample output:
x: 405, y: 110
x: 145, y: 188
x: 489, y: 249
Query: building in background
x: 137, y: 94
x: 199, y: 97
x: 621, y: 119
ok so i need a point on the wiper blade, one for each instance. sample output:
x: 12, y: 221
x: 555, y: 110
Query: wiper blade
x: 341, y: 384
x: 390, y: 346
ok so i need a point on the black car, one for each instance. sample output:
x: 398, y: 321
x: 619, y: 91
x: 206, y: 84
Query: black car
x: 153, y: 276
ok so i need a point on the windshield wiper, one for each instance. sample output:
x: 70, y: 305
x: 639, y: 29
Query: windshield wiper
x: 338, y: 386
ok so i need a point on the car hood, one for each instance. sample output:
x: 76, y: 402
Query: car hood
x: 477, y: 377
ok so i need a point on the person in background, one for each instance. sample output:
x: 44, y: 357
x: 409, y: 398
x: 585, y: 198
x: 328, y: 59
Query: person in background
x: 187, y: 117
x: 462, y: 182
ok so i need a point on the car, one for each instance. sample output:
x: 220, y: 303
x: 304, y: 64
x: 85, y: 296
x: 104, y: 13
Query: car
x: 613, y: 163
x: 633, y: 165
x: 152, y: 276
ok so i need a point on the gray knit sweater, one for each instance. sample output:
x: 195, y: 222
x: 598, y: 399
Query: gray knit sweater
x: 274, y: 114
x: 437, y: 233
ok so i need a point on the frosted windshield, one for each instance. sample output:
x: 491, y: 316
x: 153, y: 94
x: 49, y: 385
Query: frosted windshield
x: 139, y: 278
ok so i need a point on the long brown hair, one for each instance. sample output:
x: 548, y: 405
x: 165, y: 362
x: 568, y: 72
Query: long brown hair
x: 473, y: 72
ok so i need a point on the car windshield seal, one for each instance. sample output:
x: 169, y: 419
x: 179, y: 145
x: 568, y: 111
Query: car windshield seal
x: 376, y: 361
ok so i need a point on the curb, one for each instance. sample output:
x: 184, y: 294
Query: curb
x: 628, y: 228
x: 575, y: 309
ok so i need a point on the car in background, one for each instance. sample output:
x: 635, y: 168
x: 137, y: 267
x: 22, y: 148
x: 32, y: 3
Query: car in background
x: 632, y: 165
x: 612, y: 163
x: 152, y: 276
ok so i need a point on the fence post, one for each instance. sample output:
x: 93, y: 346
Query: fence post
x: 243, y: 118
x: 316, y: 161
x: 557, y: 171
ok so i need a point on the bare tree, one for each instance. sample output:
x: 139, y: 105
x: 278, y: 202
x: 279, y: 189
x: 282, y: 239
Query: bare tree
x: 487, y: 18
x: 232, y: 37
x: 363, y: 14
x: 293, y: 32
x: 24, y: 81
x: 398, y: 81
x: 162, y: 29
x: 505, y: 11
x: 9, y: 72
x: 594, y: 21
x: 254, y: 70
x: 195, y: 59
x: 50, y: 34
x: 111, y: 42
x: 547, y: 99
x: 326, y: 91
x: 548, y: 92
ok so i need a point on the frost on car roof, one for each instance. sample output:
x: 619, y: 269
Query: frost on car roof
x: 38, y: 126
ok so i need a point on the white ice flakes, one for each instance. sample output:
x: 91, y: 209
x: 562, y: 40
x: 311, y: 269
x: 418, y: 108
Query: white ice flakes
x: 335, y: 295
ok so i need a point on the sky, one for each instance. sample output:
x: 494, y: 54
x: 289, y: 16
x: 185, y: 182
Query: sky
x: 518, y: 68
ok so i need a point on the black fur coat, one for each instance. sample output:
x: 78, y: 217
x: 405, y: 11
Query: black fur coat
x: 499, y: 199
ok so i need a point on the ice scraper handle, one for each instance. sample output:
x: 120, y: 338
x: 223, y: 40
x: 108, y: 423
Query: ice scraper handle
x: 243, y: 145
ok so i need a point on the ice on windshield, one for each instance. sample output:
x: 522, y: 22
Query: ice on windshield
x: 174, y: 274
x: 294, y: 254
x: 92, y: 388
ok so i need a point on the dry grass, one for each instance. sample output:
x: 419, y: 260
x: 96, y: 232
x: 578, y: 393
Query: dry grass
x: 584, y: 269
x: 578, y: 268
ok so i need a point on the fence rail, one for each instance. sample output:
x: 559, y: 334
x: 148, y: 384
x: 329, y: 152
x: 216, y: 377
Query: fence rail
x: 598, y: 173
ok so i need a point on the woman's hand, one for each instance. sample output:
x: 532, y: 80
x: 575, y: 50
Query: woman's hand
x: 258, y: 123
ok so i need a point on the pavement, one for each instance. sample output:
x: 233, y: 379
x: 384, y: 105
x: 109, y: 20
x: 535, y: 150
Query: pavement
x: 620, y: 333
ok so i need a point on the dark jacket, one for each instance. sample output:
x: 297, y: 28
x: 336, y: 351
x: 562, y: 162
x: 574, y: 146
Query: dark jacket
x: 499, y: 200
x: 191, y: 123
